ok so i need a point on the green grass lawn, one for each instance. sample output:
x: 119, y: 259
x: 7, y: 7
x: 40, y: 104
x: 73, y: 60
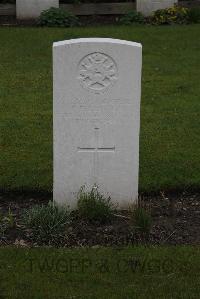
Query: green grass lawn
x: 137, y: 272
x: 170, y: 111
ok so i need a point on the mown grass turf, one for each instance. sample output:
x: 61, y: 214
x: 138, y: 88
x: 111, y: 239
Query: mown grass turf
x: 170, y: 117
x: 100, y: 273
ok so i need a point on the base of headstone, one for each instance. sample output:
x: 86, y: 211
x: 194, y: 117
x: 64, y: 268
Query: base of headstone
x: 147, y: 7
x: 31, y: 9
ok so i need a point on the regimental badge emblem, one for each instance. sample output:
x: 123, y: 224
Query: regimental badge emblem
x: 97, y: 72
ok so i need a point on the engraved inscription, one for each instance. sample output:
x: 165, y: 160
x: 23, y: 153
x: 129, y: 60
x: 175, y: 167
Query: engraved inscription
x: 97, y: 71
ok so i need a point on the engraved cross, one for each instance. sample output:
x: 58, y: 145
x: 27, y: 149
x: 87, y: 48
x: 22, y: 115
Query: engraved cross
x: 96, y: 150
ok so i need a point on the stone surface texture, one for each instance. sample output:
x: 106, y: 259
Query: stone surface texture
x: 97, y: 91
x: 147, y: 7
x: 31, y: 9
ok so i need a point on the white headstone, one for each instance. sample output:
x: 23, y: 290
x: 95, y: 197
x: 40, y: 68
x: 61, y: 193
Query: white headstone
x: 31, y: 9
x: 147, y: 7
x: 97, y: 90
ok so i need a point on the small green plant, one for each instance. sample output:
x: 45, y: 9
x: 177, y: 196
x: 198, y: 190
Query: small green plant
x: 93, y: 206
x: 173, y: 15
x: 132, y: 17
x: 3, y: 226
x: 57, y: 17
x: 48, y: 223
x: 194, y: 15
x: 6, y: 222
x: 9, y: 219
x: 141, y: 220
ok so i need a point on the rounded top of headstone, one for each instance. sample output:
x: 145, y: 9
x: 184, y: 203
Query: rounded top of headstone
x: 97, y: 40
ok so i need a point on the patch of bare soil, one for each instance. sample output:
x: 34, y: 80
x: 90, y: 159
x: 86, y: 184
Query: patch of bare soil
x: 176, y: 221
